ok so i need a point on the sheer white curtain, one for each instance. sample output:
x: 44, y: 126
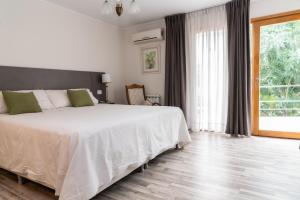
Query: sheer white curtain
x: 207, y: 73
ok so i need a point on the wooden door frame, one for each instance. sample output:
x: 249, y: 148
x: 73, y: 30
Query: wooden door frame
x: 257, y: 23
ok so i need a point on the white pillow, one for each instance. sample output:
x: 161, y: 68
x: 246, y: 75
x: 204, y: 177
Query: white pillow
x: 41, y: 97
x: 95, y: 101
x: 3, y: 108
x: 59, y: 98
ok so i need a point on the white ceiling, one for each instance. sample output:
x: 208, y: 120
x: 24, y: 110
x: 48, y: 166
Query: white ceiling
x: 150, y: 9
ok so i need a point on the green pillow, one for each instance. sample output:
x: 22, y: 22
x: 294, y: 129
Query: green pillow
x: 80, y: 98
x: 19, y: 103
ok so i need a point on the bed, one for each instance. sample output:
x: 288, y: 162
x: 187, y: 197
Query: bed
x: 79, y: 152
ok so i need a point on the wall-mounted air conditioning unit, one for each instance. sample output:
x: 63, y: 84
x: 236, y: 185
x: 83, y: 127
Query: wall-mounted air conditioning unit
x: 148, y: 36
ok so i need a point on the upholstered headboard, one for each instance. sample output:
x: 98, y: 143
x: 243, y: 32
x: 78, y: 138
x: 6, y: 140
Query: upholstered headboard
x: 19, y: 78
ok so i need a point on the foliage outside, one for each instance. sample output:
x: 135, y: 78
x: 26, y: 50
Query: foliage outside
x: 280, y: 70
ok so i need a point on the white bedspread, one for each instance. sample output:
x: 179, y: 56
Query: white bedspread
x: 80, y: 151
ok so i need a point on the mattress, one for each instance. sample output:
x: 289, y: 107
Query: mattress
x: 80, y: 151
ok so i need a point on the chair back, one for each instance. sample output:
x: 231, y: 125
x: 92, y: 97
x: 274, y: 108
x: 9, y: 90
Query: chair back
x: 135, y: 94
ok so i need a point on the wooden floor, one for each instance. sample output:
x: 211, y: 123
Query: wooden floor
x: 212, y: 167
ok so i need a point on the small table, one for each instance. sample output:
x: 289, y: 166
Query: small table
x: 107, y: 102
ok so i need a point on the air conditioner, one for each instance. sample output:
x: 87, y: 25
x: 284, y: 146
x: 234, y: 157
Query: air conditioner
x: 148, y: 36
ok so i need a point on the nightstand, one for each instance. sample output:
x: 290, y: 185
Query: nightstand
x: 108, y: 102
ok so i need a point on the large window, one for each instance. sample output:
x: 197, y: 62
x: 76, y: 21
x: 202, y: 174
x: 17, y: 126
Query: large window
x: 276, y: 75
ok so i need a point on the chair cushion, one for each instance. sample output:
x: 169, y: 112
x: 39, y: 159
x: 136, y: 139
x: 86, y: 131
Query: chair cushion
x: 136, y: 96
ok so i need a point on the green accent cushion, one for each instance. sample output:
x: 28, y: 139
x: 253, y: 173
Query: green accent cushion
x: 19, y: 103
x: 80, y: 98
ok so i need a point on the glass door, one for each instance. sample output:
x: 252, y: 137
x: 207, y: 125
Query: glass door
x: 276, y: 76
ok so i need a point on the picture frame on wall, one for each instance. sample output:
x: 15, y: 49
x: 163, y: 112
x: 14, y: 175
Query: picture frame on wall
x: 151, y: 59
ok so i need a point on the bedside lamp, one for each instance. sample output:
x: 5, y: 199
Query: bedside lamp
x: 106, y: 79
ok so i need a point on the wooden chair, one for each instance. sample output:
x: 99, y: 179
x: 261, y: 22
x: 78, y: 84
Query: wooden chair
x: 136, y: 95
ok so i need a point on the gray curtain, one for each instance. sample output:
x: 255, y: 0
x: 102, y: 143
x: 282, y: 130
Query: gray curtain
x: 239, y: 110
x: 175, y: 77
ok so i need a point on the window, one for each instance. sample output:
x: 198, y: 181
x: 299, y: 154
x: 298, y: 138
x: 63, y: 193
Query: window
x: 276, y: 75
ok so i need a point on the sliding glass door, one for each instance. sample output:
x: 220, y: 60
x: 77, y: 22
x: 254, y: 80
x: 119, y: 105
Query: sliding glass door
x: 276, y: 76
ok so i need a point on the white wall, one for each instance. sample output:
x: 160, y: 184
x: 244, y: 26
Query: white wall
x: 37, y: 33
x: 261, y: 8
x: 155, y: 82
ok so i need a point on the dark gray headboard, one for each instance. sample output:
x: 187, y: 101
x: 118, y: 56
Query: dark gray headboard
x: 19, y: 78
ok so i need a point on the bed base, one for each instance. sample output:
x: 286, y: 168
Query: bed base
x: 179, y: 147
x: 142, y: 168
x: 20, y: 180
x: 146, y: 165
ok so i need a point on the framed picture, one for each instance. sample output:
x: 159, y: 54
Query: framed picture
x: 151, y: 59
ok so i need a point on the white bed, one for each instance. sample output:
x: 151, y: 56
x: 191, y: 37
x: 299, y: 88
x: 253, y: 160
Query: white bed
x: 81, y: 151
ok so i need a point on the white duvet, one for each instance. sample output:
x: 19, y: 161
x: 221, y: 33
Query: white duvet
x: 81, y: 151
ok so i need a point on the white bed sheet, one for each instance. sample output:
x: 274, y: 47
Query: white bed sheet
x: 80, y: 151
